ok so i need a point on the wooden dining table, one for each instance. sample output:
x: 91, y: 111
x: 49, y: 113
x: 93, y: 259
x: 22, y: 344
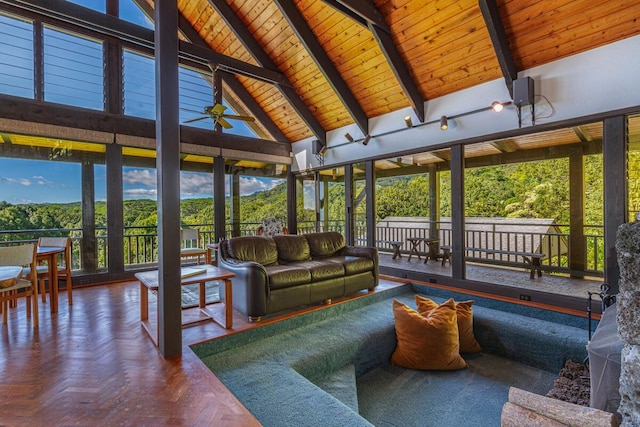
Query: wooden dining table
x: 49, y: 254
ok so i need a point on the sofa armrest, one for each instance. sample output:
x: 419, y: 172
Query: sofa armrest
x: 364, y: 252
x: 250, y: 286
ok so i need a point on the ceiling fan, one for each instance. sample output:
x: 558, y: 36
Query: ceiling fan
x: 216, y: 112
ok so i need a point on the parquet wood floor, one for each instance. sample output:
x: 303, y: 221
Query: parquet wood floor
x: 92, y: 364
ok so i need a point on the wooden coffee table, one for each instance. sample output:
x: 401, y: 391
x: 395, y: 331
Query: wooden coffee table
x: 190, y: 275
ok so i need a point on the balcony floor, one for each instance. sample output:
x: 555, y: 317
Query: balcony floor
x: 511, y: 277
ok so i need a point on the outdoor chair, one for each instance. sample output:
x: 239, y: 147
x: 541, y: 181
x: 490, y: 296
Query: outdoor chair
x: 64, y: 270
x: 271, y: 227
x: 26, y: 286
x: 190, y: 244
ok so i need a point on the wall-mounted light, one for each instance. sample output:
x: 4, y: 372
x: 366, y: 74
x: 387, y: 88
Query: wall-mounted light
x: 366, y: 139
x: 348, y: 136
x: 444, y: 124
x: 497, y: 106
x: 408, y: 122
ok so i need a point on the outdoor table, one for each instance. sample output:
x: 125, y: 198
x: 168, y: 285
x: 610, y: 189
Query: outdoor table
x: 432, y: 248
x: 9, y: 275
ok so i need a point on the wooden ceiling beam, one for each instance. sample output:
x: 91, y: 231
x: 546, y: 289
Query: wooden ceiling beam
x: 498, y: 36
x: 324, y: 64
x: 368, y: 16
x: 366, y: 11
x: 258, y: 53
x: 27, y: 110
x: 400, y: 70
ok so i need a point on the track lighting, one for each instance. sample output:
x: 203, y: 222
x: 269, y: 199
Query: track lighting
x: 444, y: 124
x: 366, y: 139
x: 348, y: 136
x: 322, y: 150
x: 408, y: 122
x: 497, y: 106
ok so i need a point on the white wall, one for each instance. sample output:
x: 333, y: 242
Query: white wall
x: 592, y: 82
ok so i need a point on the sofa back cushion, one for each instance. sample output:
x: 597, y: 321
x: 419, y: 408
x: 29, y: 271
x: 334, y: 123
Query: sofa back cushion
x: 254, y: 248
x: 323, y: 245
x: 292, y: 248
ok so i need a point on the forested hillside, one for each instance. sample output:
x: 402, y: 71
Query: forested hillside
x: 531, y: 190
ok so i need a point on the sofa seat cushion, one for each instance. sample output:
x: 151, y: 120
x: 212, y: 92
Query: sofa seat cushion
x: 284, y: 276
x: 292, y: 248
x: 353, y: 264
x: 260, y: 249
x: 322, y: 270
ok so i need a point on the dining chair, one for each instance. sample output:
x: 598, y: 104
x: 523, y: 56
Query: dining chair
x: 190, y: 244
x: 26, y: 286
x: 64, y: 270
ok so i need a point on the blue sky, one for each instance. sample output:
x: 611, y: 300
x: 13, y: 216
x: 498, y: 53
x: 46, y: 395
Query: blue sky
x: 34, y: 181
x: 30, y: 181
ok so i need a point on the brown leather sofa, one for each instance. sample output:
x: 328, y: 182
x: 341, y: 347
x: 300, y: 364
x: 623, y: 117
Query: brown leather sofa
x: 287, y: 271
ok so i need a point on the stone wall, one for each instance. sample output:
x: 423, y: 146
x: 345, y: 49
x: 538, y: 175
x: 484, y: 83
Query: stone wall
x: 628, y: 302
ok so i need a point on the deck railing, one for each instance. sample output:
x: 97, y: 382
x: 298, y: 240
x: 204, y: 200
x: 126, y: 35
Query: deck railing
x: 141, y: 243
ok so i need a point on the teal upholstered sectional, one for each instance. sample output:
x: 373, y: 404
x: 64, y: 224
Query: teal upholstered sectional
x: 304, y: 370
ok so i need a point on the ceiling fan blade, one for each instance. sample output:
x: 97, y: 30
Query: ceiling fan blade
x: 196, y: 119
x: 236, y: 117
x: 218, y: 109
x: 225, y: 124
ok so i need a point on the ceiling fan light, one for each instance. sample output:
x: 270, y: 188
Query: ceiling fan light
x: 497, y: 106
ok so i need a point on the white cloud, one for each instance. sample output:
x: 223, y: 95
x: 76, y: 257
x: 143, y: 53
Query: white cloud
x: 140, y: 193
x: 146, y: 177
x: 196, y: 184
x: 251, y: 185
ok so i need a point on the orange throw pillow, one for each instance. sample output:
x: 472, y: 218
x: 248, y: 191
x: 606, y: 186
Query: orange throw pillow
x: 468, y: 342
x: 427, y: 342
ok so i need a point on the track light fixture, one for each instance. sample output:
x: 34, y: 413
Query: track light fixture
x: 348, y: 136
x: 444, y: 124
x: 366, y: 139
x: 408, y: 122
x: 497, y: 106
x: 323, y: 150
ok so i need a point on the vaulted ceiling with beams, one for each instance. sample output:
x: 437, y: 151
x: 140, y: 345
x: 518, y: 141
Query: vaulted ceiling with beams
x: 347, y: 61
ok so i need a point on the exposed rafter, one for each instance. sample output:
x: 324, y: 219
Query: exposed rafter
x: 366, y: 11
x: 313, y: 46
x: 258, y: 53
x: 583, y: 133
x: 505, y: 146
x: 232, y: 83
x: 368, y: 16
x: 492, y: 20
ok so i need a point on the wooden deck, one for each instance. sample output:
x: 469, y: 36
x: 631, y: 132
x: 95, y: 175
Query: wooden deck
x: 512, y: 277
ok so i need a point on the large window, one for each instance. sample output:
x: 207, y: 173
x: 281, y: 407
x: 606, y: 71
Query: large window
x: 73, y: 69
x: 139, y: 82
x: 16, y: 61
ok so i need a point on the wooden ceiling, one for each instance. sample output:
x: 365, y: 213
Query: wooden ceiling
x: 348, y: 61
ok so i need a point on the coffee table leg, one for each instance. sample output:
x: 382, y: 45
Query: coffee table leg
x: 228, y: 305
x: 144, y: 302
x: 202, y: 295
